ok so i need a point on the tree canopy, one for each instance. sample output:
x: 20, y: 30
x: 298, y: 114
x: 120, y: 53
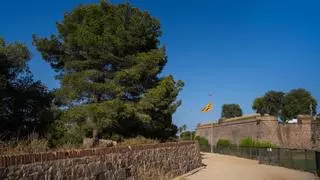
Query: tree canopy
x: 285, y: 105
x: 298, y: 101
x: 231, y: 110
x: 271, y: 103
x: 24, y: 103
x: 108, y: 60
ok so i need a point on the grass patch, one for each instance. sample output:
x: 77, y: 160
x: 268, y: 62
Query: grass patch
x: 138, y: 141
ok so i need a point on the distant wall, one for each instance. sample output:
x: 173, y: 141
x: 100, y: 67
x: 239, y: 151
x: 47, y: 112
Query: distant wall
x: 261, y: 128
x: 159, y: 161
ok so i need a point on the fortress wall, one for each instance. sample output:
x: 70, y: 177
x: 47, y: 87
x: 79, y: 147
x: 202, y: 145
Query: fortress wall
x: 264, y: 128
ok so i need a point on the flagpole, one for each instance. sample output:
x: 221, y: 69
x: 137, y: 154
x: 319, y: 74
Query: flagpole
x: 212, y: 137
x: 211, y: 127
x: 207, y: 108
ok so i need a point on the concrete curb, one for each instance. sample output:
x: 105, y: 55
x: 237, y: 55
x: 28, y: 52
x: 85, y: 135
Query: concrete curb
x: 189, y: 173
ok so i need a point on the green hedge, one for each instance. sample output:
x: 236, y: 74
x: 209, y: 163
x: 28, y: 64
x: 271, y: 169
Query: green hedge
x: 203, y: 143
x: 223, y: 143
x: 249, y: 142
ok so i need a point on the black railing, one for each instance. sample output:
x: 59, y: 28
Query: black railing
x: 291, y: 158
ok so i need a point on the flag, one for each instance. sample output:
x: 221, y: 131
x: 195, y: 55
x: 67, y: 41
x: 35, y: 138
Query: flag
x: 208, y: 107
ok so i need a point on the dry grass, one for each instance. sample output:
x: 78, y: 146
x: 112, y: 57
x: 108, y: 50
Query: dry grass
x: 25, y: 146
x: 138, y: 141
x: 33, y: 144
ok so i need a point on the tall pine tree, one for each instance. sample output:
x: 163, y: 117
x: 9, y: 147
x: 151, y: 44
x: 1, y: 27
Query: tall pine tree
x: 108, y: 60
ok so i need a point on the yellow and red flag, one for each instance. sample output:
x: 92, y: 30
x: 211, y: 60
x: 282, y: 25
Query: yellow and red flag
x: 207, y: 108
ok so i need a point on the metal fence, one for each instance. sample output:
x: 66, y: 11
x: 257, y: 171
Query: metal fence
x: 305, y: 160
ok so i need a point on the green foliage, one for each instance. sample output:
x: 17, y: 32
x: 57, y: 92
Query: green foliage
x: 203, y: 142
x: 264, y: 144
x: 223, y: 143
x: 24, y: 103
x: 298, y: 101
x: 231, y: 110
x: 249, y: 142
x: 187, y: 135
x: 287, y: 106
x: 108, y: 60
x: 271, y: 103
x: 61, y: 134
x: 182, y: 129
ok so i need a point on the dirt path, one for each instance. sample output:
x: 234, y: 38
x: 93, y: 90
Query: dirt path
x: 222, y: 167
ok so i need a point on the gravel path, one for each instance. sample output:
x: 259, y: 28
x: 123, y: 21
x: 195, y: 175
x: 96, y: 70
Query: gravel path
x: 222, y: 167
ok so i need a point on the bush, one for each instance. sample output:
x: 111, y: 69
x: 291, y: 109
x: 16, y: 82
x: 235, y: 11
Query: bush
x: 264, y: 144
x: 223, y: 143
x: 203, y: 143
x: 62, y: 136
x: 249, y: 142
x: 138, y: 141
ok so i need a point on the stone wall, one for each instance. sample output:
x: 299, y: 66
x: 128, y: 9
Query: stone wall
x: 158, y: 161
x: 264, y: 128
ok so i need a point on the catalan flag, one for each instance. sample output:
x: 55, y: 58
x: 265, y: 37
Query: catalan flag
x: 208, y: 107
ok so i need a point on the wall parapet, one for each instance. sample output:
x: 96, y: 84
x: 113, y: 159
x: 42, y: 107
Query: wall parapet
x: 240, y: 120
x: 265, y: 128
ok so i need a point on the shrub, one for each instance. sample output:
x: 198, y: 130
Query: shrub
x: 264, y: 144
x: 249, y: 142
x: 203, y: 142
x: 62, y: 136
x: 223, y: 143
x: 29, y: 145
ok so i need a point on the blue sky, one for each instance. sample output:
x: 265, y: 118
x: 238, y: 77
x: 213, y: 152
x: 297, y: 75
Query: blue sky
x: 235, y: 50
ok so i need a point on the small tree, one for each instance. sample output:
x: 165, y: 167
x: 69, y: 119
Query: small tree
x: 231, y: 110
x: 187, y: 135
x: 182, y: 129
x: 271, y: 103
x: 298, y: 101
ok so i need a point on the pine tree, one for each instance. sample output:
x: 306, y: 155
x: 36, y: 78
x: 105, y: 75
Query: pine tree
x: 108, y: 60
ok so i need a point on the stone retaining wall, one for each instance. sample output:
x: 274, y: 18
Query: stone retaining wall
x: 158, y: 161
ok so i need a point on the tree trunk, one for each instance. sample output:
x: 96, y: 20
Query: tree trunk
x: 95, y: 137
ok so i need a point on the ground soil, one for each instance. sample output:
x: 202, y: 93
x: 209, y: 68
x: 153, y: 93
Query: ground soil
x: 223, y: 167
